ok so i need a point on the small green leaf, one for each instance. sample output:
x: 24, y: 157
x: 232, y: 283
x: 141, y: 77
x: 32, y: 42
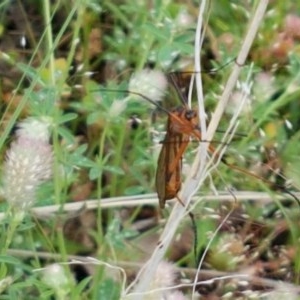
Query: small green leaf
x: 81, y: 149
x: 155, y: 31
x: 67, y: 117
x: 135, y: 190
x: 184, y: 48
x: 80, y: 287
x: 9, y: 260
x: 114, y: 170
x: 93, y: 118
x: 94, y: 173
x: 167, y: 54
x: 66, y: 134
x: 108, y: 289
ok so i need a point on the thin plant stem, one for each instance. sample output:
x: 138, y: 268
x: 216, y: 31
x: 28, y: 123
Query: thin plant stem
x: 49, y: 39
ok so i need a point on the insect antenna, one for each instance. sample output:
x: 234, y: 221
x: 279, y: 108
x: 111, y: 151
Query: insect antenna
x: 173, y: 82
x: 271, y: 184
x: 137, y: 94
x: 210, y: 71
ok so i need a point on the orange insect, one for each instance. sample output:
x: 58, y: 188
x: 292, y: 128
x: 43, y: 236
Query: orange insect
x: 182, y: 124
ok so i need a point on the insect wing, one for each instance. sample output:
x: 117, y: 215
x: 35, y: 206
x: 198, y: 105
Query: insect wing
x: 168, y: 174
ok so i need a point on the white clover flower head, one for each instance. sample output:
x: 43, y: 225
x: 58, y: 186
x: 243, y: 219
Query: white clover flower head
x: 184, y: 19
x: 164, y: 278
x: 38, y: 129
x: 151, y: 83
x: 237, y: 97
x: 55, y: 276
x: 264, y: 86
x: 28, y: 163
x: 165, y: 275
